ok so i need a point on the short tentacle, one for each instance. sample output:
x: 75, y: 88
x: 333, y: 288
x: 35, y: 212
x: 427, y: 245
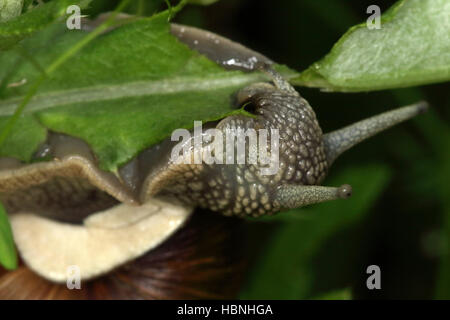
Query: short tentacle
x: 295, y: 196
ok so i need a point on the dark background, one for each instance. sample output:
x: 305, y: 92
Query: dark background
x: 404, y: 232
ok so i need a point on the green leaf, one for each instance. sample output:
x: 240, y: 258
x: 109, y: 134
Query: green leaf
x: 36, y: 19
x: 8, y: 256
x: 284, y: 270
x: 10, y: 9
x: 122, y: 93
x: 411, y: 48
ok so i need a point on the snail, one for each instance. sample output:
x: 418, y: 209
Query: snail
x: 68, y: 212
x: 305, y: 155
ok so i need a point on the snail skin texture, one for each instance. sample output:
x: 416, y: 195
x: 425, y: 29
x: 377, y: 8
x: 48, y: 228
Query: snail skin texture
x: 67, y: 211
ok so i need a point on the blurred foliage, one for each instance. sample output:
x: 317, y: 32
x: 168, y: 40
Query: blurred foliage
x: 343, y: 294
x: 203, y: 2
x: 20, y: 27
x: 8, y: 256
x: 399, y: 217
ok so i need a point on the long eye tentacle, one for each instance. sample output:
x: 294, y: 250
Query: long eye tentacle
x: 278, y: 80
x: 341, y: 140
